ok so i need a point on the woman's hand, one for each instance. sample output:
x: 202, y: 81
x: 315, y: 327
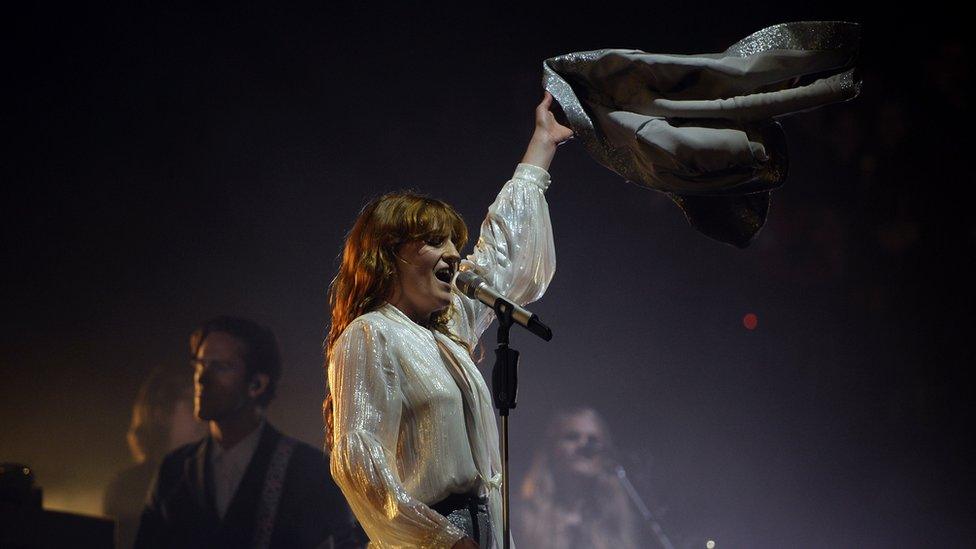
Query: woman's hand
x: 465, y: 543
x: 548, y: 135
x: 546, y: 127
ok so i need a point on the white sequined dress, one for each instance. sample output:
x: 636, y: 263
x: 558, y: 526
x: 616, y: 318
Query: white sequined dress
x: 413, y: 416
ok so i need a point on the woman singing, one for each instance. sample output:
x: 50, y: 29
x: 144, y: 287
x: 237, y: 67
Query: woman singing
x: 411, y: 425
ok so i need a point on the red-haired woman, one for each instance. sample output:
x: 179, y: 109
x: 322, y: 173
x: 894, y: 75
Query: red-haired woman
x: 411, y: 424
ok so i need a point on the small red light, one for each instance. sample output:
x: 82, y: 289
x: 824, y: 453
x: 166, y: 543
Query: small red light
x: 750, y: 321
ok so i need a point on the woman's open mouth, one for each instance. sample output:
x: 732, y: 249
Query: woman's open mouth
x: 444, y: 274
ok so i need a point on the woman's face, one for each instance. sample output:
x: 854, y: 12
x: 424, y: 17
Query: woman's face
x: 424, y: 273
x: 579, y: 446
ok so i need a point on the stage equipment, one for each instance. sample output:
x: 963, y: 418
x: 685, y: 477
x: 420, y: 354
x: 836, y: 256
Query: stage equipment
x: 504, y: 374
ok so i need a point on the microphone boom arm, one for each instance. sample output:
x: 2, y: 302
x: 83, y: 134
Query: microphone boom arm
x: 475, y: 287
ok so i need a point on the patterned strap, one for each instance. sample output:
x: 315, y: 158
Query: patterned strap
x: 274, y: 480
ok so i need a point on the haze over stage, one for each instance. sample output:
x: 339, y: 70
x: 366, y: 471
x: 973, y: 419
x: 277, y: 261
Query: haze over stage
x: 167, y: 164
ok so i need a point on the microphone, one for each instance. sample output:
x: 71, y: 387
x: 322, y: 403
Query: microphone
x: 475, y: 287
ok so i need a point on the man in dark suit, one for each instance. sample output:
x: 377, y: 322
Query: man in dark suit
x: 246, y: 484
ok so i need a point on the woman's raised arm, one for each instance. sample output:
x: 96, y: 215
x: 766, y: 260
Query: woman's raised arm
x: 515, y: 251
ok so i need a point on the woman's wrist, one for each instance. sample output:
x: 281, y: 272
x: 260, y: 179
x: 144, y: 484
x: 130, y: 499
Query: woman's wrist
x: 548, y: 134
x: 540, y: 151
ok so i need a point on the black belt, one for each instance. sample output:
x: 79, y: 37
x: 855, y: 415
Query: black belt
x: 472, y: 503
x: 454, y: 502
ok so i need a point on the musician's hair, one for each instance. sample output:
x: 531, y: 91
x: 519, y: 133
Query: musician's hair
x: 152, y: 412
x: 368, y: 273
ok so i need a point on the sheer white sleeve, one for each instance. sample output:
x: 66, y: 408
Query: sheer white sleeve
x: 368, y: 403
x: 514, y: 252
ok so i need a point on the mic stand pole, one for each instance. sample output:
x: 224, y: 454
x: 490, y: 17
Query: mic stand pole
x: 635, y: 498
x: 504, y: 386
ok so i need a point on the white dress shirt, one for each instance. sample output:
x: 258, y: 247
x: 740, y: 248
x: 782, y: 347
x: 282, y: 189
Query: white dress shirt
x: 228, y: 466
x: 413, y: 416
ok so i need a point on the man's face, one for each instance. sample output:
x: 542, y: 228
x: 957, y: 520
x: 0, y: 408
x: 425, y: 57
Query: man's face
x: 220, y: 379
x: 184, y: 427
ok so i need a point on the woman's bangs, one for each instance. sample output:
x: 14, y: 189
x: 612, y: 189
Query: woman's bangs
x: 437, y: 220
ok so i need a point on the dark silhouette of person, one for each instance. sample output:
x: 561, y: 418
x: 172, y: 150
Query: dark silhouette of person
x: 246, y: 484
x: 570, y: 498
x: 162, y: 420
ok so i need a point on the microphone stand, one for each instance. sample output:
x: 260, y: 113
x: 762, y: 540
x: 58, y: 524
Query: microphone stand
x: 638, y: 502
x: 504, y: 375
x: 504, y: 386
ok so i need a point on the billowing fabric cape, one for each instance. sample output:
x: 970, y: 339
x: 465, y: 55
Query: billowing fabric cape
x: 701, y: 128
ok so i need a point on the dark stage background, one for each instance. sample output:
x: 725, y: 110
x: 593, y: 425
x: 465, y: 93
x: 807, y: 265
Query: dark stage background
x: 164, y: 165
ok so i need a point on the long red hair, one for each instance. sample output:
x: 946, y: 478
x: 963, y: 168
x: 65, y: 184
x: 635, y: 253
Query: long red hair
x: 368, y: 273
